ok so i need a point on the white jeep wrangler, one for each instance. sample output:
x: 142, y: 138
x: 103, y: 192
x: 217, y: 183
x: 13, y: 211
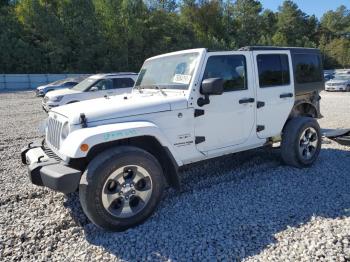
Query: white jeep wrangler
x: 188, y: 106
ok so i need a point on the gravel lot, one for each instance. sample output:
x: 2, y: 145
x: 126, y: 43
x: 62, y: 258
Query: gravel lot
x: 242, y: 207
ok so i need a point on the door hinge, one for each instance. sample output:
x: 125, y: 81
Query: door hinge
x: 260, y: 128
x: 198, y: 112
x: 199, y: 139
x: 260, y: 104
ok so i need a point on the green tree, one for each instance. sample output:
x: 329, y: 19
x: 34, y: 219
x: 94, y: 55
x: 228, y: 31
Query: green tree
x: 294, y: 27
x: 336, y: 23
x: 165, y: 5
x: 205, y: 19
x: 16, y: 54
x: 247, y: 22
x: 268, y: 27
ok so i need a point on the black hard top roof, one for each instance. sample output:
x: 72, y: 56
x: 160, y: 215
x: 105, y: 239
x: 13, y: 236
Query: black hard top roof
x: 292, y: 49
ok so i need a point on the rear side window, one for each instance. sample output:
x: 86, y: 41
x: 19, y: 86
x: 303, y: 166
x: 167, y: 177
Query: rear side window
x: 122, y: 83
x: 307, y: 68
x: 273, y: 70
x: 70, y: 84
x: 231, y: 68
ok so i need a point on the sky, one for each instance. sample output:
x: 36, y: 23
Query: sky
x: 310, y: 7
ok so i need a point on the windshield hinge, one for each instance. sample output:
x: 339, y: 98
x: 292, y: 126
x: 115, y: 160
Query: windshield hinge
x: 83, y: 120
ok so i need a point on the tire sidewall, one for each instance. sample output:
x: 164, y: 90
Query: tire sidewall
x: 91, y: 193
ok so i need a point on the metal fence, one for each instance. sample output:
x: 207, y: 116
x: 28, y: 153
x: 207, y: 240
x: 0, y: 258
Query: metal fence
x: 29, y: 81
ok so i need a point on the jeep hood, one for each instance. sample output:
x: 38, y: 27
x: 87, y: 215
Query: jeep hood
x: 117, y: 106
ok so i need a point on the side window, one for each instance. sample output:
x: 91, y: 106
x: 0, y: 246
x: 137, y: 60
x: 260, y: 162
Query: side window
x: 70, y: 84
x: 104, y: 84
x: 307, y: 68
x: 122, y: 83
x: 273, y: 70
x: 231, y: 68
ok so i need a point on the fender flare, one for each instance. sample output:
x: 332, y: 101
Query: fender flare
x: 93, y: 136
x: 308, y: 104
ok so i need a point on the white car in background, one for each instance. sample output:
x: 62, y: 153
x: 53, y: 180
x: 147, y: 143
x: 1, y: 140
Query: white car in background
x: 95, y: 86
x: 57, y: 85
x: 340, y: 82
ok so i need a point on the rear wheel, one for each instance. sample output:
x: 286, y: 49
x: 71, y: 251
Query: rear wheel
x: 301, y: 142
x: 121, y: 188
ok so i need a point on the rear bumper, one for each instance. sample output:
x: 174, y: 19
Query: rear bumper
x: 47, y: 171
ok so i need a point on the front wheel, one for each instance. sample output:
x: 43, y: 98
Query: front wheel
x: 301, y: 142
x: 121, y: 188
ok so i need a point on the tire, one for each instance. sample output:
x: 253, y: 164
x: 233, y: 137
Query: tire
x: 348, y: 88
x: 301, y: 142
x: 103, y: 181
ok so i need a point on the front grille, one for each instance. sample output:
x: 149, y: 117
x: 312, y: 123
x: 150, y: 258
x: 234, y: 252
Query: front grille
x: 54, y: 128
x: 50, y: 153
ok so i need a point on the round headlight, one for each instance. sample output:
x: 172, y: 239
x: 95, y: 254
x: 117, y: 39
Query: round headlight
x: 65, y: 130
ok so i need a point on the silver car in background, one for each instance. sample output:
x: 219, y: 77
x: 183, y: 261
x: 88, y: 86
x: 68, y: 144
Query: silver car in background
x: 57, y: 85
x: 340, y: 82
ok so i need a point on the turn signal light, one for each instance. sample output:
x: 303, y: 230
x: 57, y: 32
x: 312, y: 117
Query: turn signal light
x: 84, y: 147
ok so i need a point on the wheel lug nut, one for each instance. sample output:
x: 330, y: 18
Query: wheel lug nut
x: 133, y: 192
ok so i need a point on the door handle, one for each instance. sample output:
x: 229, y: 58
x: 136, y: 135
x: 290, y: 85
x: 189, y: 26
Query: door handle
x: 246, y: 100
x: 286, y: 95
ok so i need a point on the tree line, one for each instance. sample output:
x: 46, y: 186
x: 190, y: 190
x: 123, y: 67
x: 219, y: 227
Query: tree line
x: 90, y: 36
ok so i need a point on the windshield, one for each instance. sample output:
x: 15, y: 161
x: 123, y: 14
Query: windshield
x: 83, y: 85
x: 342, y: 77
x: 171, y: 72
x: 58, y: 82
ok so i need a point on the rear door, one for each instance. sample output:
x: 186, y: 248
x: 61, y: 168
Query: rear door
x: 275, y: 91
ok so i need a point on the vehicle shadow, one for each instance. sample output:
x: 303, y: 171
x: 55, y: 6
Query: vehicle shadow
x: 232, y: 208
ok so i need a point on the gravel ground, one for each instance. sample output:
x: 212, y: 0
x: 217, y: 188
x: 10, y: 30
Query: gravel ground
x: 242, y: 207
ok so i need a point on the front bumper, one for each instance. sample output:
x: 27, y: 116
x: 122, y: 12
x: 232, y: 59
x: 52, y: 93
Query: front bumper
x: 47, y: 106
x: 44, y: 169
x: 39, y: 93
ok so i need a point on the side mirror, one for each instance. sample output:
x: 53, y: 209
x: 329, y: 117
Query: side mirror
x: 94, y: 88
x: 210, y: 86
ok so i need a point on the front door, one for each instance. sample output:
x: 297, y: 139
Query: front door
x: 275, y: 91
x: 229, y: 118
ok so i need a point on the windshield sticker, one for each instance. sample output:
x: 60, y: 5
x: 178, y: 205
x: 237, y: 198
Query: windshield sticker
x: 182, y: 79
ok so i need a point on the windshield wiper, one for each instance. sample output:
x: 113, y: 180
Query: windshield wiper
x: 161, y: 89
x: 139, y: 89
